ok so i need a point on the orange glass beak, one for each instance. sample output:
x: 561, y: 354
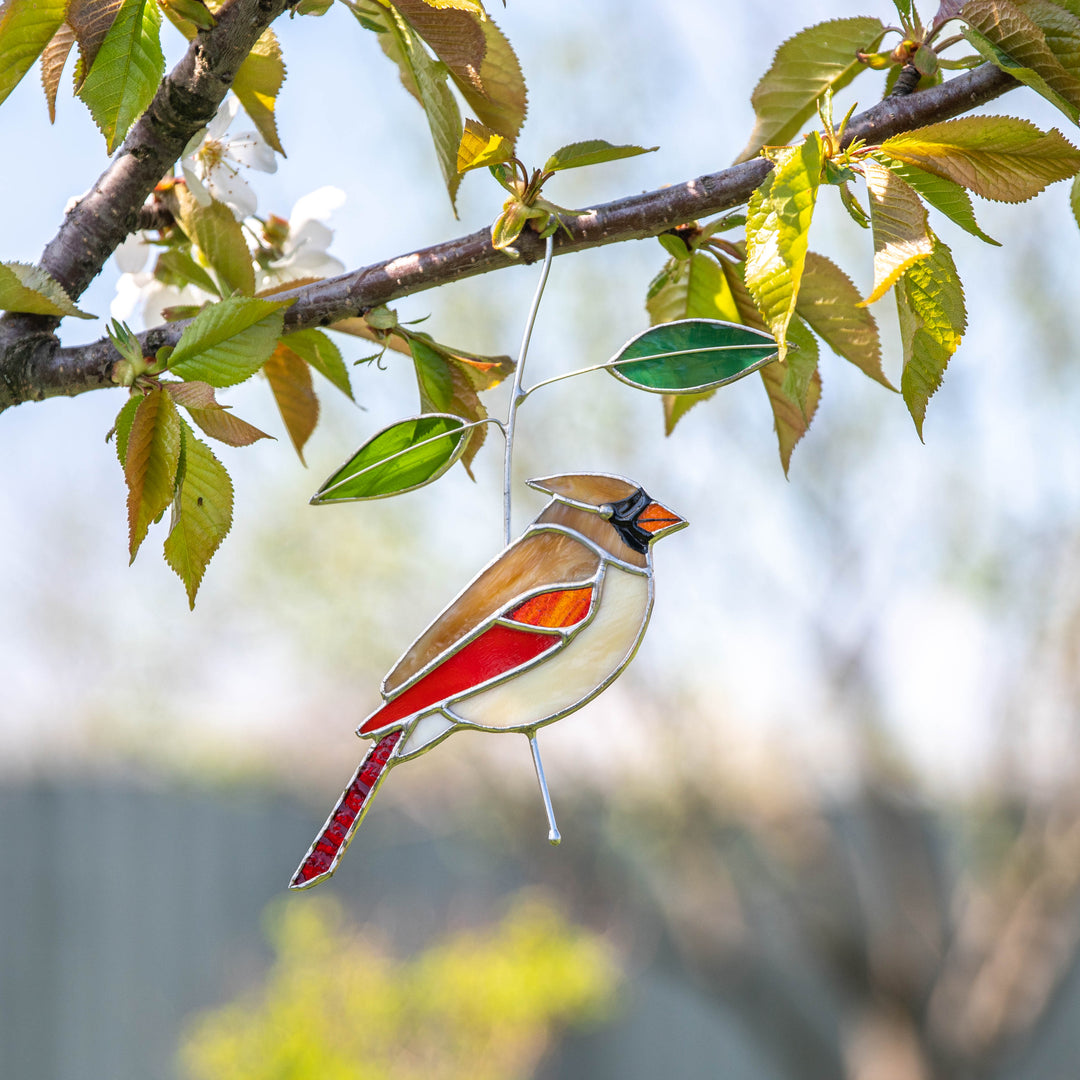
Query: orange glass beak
x: 659, y: 520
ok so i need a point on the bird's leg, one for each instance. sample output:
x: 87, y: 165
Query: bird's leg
x: 553, y: 829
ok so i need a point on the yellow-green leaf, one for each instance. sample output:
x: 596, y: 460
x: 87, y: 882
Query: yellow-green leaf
x: 290, y: 380
x: 122, y: 428
x: 1004, y: 35
x: 481, y: 146
x: 800, y: 366
x: 126, y: 72
x: 997, y: 157
x: 26, y: 27
x: 215, y: 419
x: 816, y: 59
x: 32, y: 290
x: 930, y: 304
x: 898, y: 220
x: 1074, y: 199
x: 257, y: 83
x: 791, y: 417
x: 53, y: 60
x: 220, y: 237
x: 228, y: 342
x: 150, y: 463
x: 202, y: 513
x: 323, y: 355
x: 591, y: 152
x: 830, y: 305
x: 194, y: 12
x: 777, y: 223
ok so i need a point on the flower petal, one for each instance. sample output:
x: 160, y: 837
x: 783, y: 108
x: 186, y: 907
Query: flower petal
x: 249, y: 149
x: 226, y: 114
x: 195, y: 185
x: 132, y: 254
x: 227, y: 185
x: 317, y: 205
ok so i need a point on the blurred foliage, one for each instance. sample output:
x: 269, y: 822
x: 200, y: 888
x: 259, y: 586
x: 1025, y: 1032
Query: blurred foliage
x: 482, y: 1004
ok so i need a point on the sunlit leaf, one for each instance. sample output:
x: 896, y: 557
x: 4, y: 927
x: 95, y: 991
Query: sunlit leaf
x: 930, y: 303
x: 481, y: 146
x: 194, y: 12
x: 830, y: 305
x: 122, y: 428
x: 323, y: 355
x: 432, y: 376
x: 997, y: 157
x: 816, y: 59
x: 126, y: 73
x: 941, y: 193
x: 791, y: 418
x: 176, y: 267
x: 1074, y: 199
x: 26, y: 28
x: 228, y: 342
x: 53, y: 60
x: 691, y: 355
x: 800, y: 366
x: 402, y: 457
x: 32, y: 290
x: 591, y: 152
x: 220, y: 237
x: 91, y: 20
x: 215, y: 419
x: 202, y: 513
x: 1003, y: 34
x: 777, y: 223
x: 257, y: 83
x: 150, y: 463
x: 898, y: 219
x: 290, y: 380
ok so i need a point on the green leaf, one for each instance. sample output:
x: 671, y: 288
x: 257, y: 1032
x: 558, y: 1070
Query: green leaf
x: 220, y: 237
x: 202, y: 513
x: 402, y: 457
x: 691, y: 355
x: 176, y: 267
x: 898, y: 219
x: 998, y: 157
x: 941, y: 193
x: 122, y: 427
x: 150, y: 463
x: 817, y: 59
x: 830, y: 305
x: 777, y: 222
x: 1060, y: 27
x: 930, y: 304
x: 26, y: 27
x: 1001, y: 33
x: 481, y: 146
x: 290, y: 381
x: 34, y: 291
x: 194, y: 12
x: 91, y: 21
x: 432, y: 376
x: 323, y: 355
x: 799, y: 367
x: 591, y: 152
x: 257, y: 83
x: 791, y: 417
x: 478, y: 57
x: 228, y: 342
x: 126, y: 71
x: 215, y: 419
x: 1074, y: 199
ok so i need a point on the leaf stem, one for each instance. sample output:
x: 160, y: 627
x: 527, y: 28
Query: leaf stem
x: 517, y: 395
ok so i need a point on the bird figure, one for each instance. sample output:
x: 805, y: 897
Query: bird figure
x: 540, y: 631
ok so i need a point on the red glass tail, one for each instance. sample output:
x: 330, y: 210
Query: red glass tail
x: 326, y: 852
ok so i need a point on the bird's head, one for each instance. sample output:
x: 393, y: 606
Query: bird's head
x: 637, y: 517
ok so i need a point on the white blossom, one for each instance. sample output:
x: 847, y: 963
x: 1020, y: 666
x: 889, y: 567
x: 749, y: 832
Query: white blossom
x: 304, y: 250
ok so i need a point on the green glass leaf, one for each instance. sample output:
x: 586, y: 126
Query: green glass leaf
x: 402, y: 457
x: 34, y: 291
x: 26, y: 27
x: 691, y: 355
x: 591, y: 152
x: 126, y: 71
x: 228, y: 342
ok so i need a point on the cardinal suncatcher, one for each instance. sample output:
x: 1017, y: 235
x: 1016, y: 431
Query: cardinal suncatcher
x: 539, y: 632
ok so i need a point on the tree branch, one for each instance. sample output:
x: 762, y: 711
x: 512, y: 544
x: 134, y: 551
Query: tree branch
x: 41, y: 371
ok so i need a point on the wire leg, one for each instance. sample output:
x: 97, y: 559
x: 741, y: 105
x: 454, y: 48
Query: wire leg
x: 553, y: 830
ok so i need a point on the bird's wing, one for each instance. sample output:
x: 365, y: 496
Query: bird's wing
x: 526, y: 566
x: 512, y: 639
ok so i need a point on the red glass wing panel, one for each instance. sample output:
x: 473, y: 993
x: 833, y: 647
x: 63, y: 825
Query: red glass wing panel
x: 495, y: 651
x: 563, y: 607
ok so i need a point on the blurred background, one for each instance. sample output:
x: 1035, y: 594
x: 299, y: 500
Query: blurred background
x: 826, y: 825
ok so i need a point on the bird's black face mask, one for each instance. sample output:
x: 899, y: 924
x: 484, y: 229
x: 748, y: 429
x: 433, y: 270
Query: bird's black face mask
x: 624, y: 517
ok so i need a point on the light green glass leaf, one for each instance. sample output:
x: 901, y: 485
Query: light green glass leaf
x: 777, y: 223
x: 26, y: 27
x: 202, y: 512
x: 323, y: 355
x: 228, y: 342
x: 1003, y: 34
x: 998, y: 157
x: 591, y: 152
x: 32, y: 290
x: 691, y: 355
x: 930, y: 304
x: 898, y: 220
x: 941, y: 193
x: 126, y: 71
x: 817, y: 59
x: 402, y: 457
